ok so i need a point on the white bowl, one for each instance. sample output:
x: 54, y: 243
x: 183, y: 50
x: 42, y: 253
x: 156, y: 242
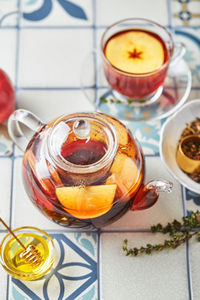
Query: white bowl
x: 170, y: 135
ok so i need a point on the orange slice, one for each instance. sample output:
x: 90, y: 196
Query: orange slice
x: 124, y: 173
x: 135, y: 51
x: 86, y: 202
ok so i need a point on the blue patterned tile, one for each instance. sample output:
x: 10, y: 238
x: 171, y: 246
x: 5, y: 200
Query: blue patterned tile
x: 74, y: 275
x: 148, y: 134
x: 56, y: 13
x: 191, y: 38
x: 192, y: 200
x: 186, y: 12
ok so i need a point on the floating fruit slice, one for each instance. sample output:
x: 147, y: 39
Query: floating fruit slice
x: 135, y: 51
x: 86, y: 202
x: 125, y: 174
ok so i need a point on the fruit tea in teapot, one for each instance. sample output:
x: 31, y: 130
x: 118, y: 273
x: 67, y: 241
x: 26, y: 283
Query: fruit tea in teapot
x: 83, y: 169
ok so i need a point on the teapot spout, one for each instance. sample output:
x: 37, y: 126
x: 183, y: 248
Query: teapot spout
x: 148, y: 195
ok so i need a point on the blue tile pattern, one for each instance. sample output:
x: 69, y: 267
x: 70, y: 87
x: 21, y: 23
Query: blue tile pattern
x: 83, y: 267
x: 89, y: 266
x: 47, y: 6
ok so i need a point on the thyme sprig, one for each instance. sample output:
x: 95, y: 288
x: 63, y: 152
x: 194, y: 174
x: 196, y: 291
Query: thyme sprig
x: 180, y: 233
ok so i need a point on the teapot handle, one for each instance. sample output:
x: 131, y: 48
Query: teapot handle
x: 22, y: 118
x: 147, y: 195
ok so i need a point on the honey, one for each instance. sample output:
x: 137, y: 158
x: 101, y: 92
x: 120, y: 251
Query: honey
x: 20, y: 268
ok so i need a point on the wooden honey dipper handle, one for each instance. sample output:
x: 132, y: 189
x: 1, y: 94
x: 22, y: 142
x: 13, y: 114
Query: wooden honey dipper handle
x: 11, y: 232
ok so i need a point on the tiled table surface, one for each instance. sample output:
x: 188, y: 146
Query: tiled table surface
x: 43, y: 45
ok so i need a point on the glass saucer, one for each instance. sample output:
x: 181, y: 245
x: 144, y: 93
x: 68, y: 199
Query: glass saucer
x: 172, y: 95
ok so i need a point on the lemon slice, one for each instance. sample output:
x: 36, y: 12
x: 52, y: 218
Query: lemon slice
x: 86, y: 202
x: 135, y: 51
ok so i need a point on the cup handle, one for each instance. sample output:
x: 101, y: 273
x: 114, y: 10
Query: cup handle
x: 178, y: 52
x: 148, y: 195
x: 22, y: 118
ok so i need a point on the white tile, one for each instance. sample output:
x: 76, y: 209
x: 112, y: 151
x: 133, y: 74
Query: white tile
x: 24, y: 212
x: 58, y: 16
x: 115, y: 10
x: 158, y: 276
x: 52, y: 57
x: 48, y: 104
x: 8, y: 52
x: 5, y: 188
x: 3, y: 276
x: 166, y: 209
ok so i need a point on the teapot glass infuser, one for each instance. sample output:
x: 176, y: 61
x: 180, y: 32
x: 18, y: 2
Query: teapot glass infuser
x: 82, y: 169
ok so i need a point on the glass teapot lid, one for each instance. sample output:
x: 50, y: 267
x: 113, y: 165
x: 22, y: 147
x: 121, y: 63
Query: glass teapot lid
x: 82, y: 143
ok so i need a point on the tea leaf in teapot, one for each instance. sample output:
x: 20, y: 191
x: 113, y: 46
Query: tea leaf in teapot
x: 179, y: 233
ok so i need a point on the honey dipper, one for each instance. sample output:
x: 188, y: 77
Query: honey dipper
x: 30, y: 254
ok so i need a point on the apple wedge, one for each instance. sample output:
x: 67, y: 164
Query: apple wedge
x: 86, y: 202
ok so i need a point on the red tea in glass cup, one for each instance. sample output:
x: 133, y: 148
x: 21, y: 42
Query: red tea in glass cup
x: 136, y: 55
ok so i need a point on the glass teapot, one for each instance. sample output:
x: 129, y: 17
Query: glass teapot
x: 82, y: 169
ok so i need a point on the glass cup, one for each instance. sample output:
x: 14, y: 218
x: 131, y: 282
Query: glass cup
x: 11, y: 250
x: 136, y: 54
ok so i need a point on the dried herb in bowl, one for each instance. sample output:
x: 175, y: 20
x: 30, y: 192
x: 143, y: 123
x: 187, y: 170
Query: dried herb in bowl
x: 191, y: 147
x: 192, y: 128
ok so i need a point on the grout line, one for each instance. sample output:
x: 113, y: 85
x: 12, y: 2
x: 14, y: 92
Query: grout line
x: 54, y: 88
x: 190, y: 289
x: 95, y: 48
x: 188, y: 266
x: 99, y: 265
x: 169, y: 8
x: 126, y: 231
x: 95, y: 95
x: 61, y: 27
x: 80, y: 88
x: 69, y: 27
x: 12, y: 157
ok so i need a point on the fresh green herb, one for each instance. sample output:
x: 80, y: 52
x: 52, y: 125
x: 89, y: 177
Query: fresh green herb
x: 179, y: 232
x: 129, y: 101
x: 104, y: 100
x: 117, y: 101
